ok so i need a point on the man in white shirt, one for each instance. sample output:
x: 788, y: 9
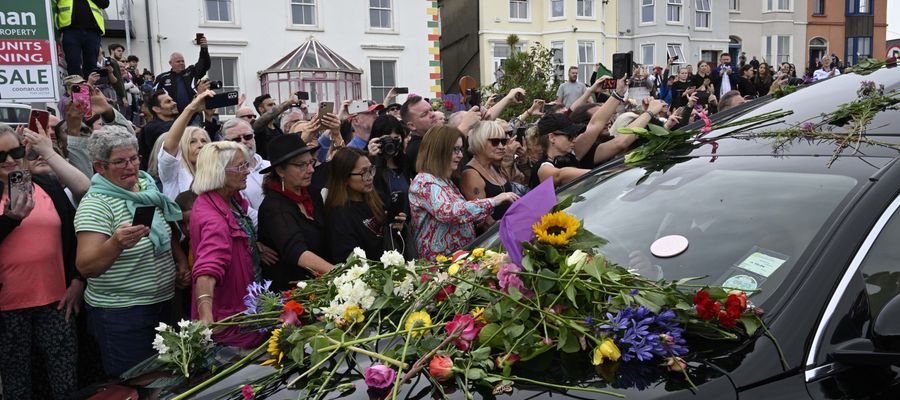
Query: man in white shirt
x: 240, y: 131
x: 827, y: 71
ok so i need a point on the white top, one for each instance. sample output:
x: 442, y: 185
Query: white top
x: 253, y: 192
x: 174, y: 176
x: 821, y: 73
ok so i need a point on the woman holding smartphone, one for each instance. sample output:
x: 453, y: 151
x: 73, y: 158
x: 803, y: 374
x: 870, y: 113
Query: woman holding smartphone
x: 41, y: 293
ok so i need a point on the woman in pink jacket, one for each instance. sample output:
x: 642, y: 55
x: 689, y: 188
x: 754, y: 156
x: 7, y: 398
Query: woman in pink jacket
x: 226, y: 259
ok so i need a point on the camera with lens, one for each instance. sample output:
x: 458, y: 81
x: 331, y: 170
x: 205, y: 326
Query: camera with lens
x: 390, y: 146
x: 213, y: 85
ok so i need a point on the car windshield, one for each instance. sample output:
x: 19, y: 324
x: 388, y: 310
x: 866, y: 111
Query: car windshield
x: 746, y: 222
x: 14, y: 115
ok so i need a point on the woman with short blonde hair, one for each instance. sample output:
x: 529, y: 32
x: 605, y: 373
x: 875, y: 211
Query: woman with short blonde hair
x: 442, y: 218
x: 177, y: 159
x: 226, y: 259
x: 481, y: 177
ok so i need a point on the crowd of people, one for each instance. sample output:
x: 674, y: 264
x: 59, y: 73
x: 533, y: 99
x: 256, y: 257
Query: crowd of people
x: 277, y: 193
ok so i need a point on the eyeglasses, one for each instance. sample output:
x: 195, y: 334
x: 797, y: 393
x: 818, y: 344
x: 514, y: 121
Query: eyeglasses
x: 125, y: 162
x: 246, y: 138
x: 457, y: 149
x: 241, y: 168
x: 366, y: 174
x: 304, y: 165
x: 498, y: 142
x: 248, y: 116
x: 16, y: 153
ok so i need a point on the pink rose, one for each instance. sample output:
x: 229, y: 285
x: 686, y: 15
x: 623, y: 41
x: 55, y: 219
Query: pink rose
x: 467, y: 328
x: 441, y: 368
x: 380, y: 376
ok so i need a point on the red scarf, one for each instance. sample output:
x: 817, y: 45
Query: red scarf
x: 303, y: 198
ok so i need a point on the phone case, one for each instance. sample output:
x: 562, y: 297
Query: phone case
x: 19, y: 185
x: 84, y: 97
x: 326, y: 107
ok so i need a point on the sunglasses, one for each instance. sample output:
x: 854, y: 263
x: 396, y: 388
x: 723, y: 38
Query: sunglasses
x: 241, y: 168
x: 248, y: 116
x: 498, y: 142
x: 248, y: 137
x: 16, y: 153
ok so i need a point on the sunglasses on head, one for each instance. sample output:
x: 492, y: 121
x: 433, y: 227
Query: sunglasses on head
x: 248, y: 137
x: 16, y: 153
x: 498, y: 142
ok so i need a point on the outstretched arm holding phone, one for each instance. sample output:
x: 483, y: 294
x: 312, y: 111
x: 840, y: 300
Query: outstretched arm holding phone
x: 170, y: 145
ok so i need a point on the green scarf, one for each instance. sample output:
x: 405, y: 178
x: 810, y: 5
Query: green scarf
x: 148, y: 196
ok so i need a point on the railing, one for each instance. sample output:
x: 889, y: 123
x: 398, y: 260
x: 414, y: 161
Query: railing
x: 117, y: 10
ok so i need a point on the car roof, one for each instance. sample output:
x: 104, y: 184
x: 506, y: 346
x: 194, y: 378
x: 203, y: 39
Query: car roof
x: 15, y: 105
x: 808, y: 105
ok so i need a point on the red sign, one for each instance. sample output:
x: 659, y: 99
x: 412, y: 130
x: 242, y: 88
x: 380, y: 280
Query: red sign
x: 24, y: 52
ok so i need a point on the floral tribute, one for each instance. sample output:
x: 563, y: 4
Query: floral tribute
x: 475, y: 322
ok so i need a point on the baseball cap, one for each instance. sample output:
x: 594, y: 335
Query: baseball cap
x: 559, y: 123
x: 73, y: 80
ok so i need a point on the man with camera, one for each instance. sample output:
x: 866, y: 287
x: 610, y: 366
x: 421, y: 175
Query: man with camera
x: 723, y: 76
x: 265, y: 126
x: 362, y: 124
x: 180, y: 80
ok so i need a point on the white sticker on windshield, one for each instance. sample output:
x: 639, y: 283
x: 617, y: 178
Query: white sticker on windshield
x: 741, y: 282
x: 762, y: 262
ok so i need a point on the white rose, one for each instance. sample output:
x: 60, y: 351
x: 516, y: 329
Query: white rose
x: 392, y: 258
x: 577, y: 260
x: 359, y: 253
x: 301, y: 285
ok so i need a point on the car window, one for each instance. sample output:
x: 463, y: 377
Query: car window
x: 747, y: 223
x: 881, y: 267
x: 14, y: 115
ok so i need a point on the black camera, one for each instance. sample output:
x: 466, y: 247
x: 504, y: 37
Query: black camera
x: 702, y: 97
x: 474, y: 97
x: 213, y: 85
x: 390, y: 146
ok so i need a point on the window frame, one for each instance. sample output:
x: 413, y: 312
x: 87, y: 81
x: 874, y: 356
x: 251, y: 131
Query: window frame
x: 584, y: 74
x: 209, y: 22
x: 851, y: 7
x: 672, y: 4
x: 771, y: 49
x: 855, y: 57
x: 558, y: 73
x: 734, y: 6
x: 699, y: 12
x: 593, y: 9
x: 497, y: 61
x: 219, y: 58
x: 550, y: 16
x: 376, y: 29
x: 652, y: 61
x: 652, y: 7
x: 818, y: 8
x: 774, y: 6
x: 316, y: 15
x: 395, y: 62
x: 527, y: 4
x: 679, y: 51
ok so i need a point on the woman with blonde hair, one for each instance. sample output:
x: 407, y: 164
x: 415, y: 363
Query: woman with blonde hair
x: 442, y: 218
x: 480, y: 177
x: 223, y: 240
x: 177, y: 159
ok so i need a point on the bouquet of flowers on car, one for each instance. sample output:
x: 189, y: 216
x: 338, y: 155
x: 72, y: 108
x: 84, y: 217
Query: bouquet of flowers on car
x: 470, y: 319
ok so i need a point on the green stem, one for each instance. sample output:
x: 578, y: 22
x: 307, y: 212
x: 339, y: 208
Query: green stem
x: 555, y: 386
x: 372, y: 354
x: 221, y: 375
x: 769, y: 334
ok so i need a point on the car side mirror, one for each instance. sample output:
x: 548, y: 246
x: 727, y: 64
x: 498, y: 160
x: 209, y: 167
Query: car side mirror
x: 882, y: 350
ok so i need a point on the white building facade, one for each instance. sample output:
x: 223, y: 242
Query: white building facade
x: 772, y: 30
x: 394, y: 42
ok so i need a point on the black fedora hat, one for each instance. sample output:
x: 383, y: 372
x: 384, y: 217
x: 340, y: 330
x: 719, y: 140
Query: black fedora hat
x: 559, y: 123
x: 283, y: 148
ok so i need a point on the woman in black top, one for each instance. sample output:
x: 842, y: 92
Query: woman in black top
x: 356, y: 216
x: 703, y: 72
x: 386, y: 150
x: 481, y: 178
x: 680, y: 86
x: 291, y: 217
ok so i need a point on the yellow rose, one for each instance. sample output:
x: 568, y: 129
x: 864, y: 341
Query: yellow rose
x: 354, y: 314
x: 441, y: 258
x: 454, y: 268
x: 478, y: 253
x: 606, y: 350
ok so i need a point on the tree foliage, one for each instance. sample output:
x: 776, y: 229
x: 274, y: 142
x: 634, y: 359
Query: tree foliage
x: 531, y: 70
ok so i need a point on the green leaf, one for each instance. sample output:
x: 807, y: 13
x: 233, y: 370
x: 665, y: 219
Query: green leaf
x: 514, y: 331
x: 563, y: 337
x: 547, y: 280
x: 564, y: 203
x: 593, y: 269
x: 572, y: 344
x: 647, y: 303
x: 613, y: 276
x: 514, y: 293
x: 570, y: 293
x: 658, y: 130
x: 475, y: 373
x: 751, y: 324
x: 683, y: 306
x: 388, y: 288
x: 490, y: 335
x: 298, y: 355
x: 483, y: 353
x: 380, y: 302
x: 316, y: 344
x: 528, y: 263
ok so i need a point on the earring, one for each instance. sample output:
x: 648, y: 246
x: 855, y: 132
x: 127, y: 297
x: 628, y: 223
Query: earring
x: 282, y: 185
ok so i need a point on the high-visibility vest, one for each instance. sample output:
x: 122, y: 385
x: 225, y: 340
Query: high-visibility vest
x: 63, y: 9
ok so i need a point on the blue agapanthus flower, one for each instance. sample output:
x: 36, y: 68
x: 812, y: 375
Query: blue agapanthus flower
x: 644, y: 335
x: 259, y: 294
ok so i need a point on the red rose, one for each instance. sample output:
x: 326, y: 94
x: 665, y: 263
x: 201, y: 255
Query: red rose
x: 294, y: 306
x: 737, y: 299
x: 468, y: 330
x: 510, y: 360
x: 444, y: 293
x: 441, y: 368
x: 726, y: 319
x: 701, y: 297
x: 708, y: 309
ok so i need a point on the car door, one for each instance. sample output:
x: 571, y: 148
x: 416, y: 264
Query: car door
x: 869, y: 283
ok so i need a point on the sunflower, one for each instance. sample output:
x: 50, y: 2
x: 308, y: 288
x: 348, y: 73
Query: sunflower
x: 418, y: 319
x: 274, y: 349
x: 556, y: 228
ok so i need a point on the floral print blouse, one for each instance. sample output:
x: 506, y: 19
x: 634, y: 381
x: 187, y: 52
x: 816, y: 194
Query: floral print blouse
x: 442, y: 219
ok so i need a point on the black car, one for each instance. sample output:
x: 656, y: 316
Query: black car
x: 818, y: 235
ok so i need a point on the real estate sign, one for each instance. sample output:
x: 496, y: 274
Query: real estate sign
x: 27, y: 52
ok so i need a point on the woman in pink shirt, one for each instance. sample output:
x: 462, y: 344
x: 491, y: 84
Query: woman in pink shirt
x: 226, y: 258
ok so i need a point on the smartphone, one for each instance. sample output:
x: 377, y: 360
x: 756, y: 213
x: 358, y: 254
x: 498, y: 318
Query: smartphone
x: 19, y: 185
x: 226, y: 99
x: 38, y: 117
x: 82, y: 94
x: 401, y: 90
x: 474, y: 97
x: 302, y: 96
x: 199, y: 36
x: 358, y: 106
x: 326, y: 107
x: 398, y: 205
x: 143, y: 215
x: 622, y: 63
x: 520, y: 134
x: 702, y: 97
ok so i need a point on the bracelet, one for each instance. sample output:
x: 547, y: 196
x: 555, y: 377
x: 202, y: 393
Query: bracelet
x: 203, y: 296
x: 617, y: 96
